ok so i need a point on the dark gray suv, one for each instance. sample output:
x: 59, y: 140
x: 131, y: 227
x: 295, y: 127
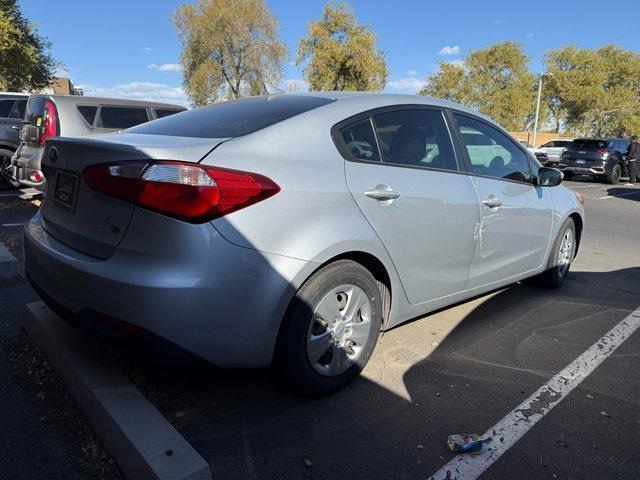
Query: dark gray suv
x: 12, y: 107
x: 49, y: 116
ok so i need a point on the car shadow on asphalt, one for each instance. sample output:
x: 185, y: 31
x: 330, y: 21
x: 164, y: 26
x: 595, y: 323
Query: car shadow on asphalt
x: 625, y: 193
x: 394, y: 420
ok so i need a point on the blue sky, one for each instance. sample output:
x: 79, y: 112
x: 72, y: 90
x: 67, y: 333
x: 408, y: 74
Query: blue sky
x: 129, y: 48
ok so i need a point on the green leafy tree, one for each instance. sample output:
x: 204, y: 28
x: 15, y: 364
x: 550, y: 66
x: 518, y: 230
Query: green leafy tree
x: 340, y: 54
x: 598, y: 90
x: 495, y: 80
x: 229, y: 48
x: 25, y: 61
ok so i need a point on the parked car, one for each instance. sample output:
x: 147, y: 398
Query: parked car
x: 554, y: 150
x: 541, y: 155
x: 72, y: 116
x: 12, y: 106
x: 291, y: 229
x: 598, y: 157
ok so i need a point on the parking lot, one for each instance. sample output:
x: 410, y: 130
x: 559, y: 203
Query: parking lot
x: 460, y: 370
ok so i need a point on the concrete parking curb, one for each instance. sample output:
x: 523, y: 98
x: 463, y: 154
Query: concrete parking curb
x: 140, y: 439
x: 9, y: 266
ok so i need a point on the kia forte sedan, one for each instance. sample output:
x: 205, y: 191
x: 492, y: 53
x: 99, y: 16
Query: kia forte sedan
x: 289, y: 230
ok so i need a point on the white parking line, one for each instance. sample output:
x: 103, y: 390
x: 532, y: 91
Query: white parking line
x: 504, y: 434
x: 619, y: 195
x: 13, y: 224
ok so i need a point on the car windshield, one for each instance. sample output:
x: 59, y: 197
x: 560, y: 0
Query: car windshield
x: 232, y: 119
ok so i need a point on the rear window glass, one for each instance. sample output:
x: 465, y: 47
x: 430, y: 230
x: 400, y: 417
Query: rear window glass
x: 165, y: 112
x: 233, y: 119
x: 35, y: 108
x: 88, y: 112
x: 360, y: 140
x: 5, y: 107
x: 587, y: 143
x: 122, y: 117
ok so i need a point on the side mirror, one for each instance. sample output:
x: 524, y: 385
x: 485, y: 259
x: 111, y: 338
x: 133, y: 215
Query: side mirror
x: 549, y: 177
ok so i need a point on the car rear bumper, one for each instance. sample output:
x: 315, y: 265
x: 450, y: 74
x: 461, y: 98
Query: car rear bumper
x: 26, y: 161
x: 583, y: 170
x: 183, y: 283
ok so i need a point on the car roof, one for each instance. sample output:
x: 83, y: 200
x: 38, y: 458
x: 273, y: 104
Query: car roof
x: 13, y: 94
x: 369, y: 100
x: 81, y: 99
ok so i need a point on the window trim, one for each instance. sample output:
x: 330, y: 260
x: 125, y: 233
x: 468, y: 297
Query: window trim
x: 348, y: 156
x: 465, y: 155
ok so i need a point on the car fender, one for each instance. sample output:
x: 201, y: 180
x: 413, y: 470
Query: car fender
x: 564, y: 203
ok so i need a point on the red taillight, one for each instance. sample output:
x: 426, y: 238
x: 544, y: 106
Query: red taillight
x: 602, y: 151
x: 50, y: 122
x: 191, y: 192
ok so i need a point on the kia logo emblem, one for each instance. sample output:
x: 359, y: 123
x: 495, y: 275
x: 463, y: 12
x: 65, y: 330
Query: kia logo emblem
x: 53, y: 154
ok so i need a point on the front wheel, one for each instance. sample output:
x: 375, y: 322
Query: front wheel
x: 330, y: 329
x: 561, y: 256
x: 614, y: 175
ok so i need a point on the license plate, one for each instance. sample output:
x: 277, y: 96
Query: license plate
x: 65, y: 191
x: 580, y: 162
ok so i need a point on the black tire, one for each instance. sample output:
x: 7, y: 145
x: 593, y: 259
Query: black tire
x: 613, y: 177
x: 554, y: 276
x: 567, y: 175
x: 291, y: 360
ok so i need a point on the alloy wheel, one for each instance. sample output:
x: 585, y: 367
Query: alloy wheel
x: 565, y: 253
x: 339, y: 330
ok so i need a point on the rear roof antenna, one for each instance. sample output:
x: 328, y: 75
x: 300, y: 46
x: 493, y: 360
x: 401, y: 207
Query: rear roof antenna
x: 269, y: 89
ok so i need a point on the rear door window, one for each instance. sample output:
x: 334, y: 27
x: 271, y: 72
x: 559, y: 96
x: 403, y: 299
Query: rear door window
x: 88, y: 112
x: 417, y: 138
x: 18, y: 109
x: 235, y: 118
x: 5, y: 107
x: 360, y: 141
x: 122, y: 117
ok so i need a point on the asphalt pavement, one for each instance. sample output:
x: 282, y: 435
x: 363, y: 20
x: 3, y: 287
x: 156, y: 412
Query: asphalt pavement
x: 460, y: 370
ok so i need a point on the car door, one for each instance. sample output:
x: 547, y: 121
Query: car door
x: 405, y: 179
x: 14, y: 122
x: 516, y: 218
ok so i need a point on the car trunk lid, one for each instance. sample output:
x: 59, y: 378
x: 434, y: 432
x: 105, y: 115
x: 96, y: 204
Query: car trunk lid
x: 89, y: 221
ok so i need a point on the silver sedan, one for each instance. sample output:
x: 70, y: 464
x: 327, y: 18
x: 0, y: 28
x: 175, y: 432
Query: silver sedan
x: 289, y: 230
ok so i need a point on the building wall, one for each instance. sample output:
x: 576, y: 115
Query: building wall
x: 541, y: 137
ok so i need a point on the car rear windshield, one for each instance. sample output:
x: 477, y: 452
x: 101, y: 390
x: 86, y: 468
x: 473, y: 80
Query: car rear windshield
x: 234, y: 118
x: 588, y: 144
x: 35, y: 108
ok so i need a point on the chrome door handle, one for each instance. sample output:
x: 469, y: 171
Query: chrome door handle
x: 492, y: 202
x: 382, y: 193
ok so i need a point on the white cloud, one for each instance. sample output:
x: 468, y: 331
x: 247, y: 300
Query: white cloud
x: 447, y: 50
x: 165, y: 67
x: 529, y: 35
x: 61, y: 71
x: 458, y: 62
x: 412, y: 73
x: 292, y: 85
x: 406, y: 84
x: 147, y: 49
x: 154, y: 92
x: 499, y: 22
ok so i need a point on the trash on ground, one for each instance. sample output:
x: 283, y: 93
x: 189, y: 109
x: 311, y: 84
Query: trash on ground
x: 465, y: 443
x: 605, y: 414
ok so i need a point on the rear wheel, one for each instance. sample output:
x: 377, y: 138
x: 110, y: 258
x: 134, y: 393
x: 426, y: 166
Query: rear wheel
x: 330, y: 329
x: 614, y: 175
x: 561, y: 256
